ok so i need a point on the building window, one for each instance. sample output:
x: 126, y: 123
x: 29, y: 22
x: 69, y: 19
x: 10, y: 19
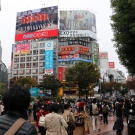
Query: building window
x: 28, y: 65
x: 16, y: 59
x: 35, y: 58
x: 15, y: 72
x: 28, y: 58
x: 41, y: 64
x: 21, y: 72
x: 28, y: 71
x: 34, y: 71
x: 41, y: 77
x: 22, y: 59
x: 35, y: 52
x: 41, y: 51
x: 35, y: 64
x: 41, y: 71
x: 15, y: 65
x: 41, y: 57
x: 22, y: 65
x: 35, y: 45
x: 42, y: 45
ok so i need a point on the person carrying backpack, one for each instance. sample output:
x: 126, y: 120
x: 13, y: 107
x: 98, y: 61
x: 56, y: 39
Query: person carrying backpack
x: 81, y: 123
x: 105, y: 112
x: 94, y: 111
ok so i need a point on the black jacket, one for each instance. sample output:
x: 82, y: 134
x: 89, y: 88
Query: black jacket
x: 119, y: 111
x: 9, y: 118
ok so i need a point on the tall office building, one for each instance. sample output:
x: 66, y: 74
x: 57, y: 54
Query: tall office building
x: 0, y: 52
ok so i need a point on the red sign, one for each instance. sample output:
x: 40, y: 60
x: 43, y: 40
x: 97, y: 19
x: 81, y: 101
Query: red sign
x: 36, y: 35
x: 111, y: 65
x: 103, y: 55
x: 61, y: 72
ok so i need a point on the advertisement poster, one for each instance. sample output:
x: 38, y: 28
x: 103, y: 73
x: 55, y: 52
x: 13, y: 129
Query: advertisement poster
x: 111, y: 65
x: 22, y: 49
x: 37, y: 23
x: 77, y: 23
x: 49, y: 63
x: 95, y: 53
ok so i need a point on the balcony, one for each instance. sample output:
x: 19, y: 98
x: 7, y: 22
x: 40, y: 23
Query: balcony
x: 28, y: 58
x: 41, y: 71
x: 34, y: 71
x: 28, y: 71
x: 41, y: 64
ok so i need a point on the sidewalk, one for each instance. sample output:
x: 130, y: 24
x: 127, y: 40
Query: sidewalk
x: 106, y: 129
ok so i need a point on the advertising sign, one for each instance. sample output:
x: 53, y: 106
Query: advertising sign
x: 95, y: 52
x: 49, y: 57
x: 61, y: 73
x: 74, y: 59
x: 77, y: 23
x: 111, y: 65
x: 103, y: 55
x: 37, y: 23
x: 22, y: 49
x: 34, y: 91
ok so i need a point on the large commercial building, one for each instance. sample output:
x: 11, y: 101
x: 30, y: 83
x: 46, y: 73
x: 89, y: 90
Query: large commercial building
x: 33, y: 64
x: 35, y: 51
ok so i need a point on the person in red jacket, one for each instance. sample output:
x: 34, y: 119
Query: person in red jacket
x: 42, y: 111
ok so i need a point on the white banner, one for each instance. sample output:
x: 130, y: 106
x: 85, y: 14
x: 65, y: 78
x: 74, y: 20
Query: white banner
x: 77, y: 33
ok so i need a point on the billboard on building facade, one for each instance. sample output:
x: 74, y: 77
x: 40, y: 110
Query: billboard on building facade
x: 103, y: 55
x: 111, y: 65
x: 22, y: 49
x: 95, y: 53
x: 77, y: 23
x: 37, y: 23
x: 49, y: 63
x: 61, y: 73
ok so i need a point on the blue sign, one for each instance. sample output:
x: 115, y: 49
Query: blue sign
x: 34, y: 91
x: 49, y: 59
x: 74, y: 59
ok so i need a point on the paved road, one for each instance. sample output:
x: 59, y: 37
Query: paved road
x: 106, y: 129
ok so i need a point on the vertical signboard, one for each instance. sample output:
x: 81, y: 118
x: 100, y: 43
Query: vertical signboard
x: 95, y: 52
x: 49, y: 57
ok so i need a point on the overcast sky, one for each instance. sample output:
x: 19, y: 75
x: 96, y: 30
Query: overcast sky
x: 101, y: 8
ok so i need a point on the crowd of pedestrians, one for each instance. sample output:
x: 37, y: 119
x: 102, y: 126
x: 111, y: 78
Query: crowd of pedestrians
x: 61, y: 118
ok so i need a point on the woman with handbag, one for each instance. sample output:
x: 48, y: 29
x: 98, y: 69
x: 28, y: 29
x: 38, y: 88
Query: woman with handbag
x: 55, y: 123
x: 43, y: 111
x: 81, y: 122
x: 69, y: 118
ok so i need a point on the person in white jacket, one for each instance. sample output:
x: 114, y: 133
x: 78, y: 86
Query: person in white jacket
x: 54, y: 121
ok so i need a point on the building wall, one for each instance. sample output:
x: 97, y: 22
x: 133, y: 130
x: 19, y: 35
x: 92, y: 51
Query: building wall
x: 33, y: 64
x: 3, y: 73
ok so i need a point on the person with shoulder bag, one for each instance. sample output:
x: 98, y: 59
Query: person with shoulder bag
x: 95, y: 111
x: 41, y: 119
x: 81, y: 122
x: 55, y: 123
x: 16, y: 101
x: 69, y: 118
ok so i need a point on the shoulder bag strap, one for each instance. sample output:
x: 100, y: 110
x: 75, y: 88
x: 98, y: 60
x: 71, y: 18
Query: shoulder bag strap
x: 15, y: 127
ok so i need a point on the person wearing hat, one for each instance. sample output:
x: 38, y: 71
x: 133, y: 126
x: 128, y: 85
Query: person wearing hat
x: 81, y: 123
